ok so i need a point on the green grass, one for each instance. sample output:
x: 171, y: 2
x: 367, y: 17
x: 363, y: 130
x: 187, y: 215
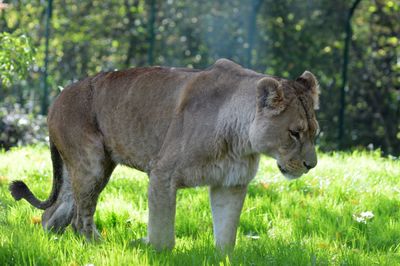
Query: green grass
x: 310, y: 221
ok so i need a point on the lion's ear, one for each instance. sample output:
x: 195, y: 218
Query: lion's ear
x: 309, y: 81
x: 270, y: 95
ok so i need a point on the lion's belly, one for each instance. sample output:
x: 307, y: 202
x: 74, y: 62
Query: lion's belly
x: 226, y: 172
x: 135, y: 144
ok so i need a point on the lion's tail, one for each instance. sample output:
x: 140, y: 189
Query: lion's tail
x: 20, y: 190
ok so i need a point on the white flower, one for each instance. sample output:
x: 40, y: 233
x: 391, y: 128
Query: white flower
x: 363, y: 217
x: 367, y: 215
x: 359, y: 219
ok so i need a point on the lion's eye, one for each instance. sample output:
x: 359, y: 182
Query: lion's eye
x: 294, y: 134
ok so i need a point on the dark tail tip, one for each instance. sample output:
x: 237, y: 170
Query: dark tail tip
x: 18, y: 189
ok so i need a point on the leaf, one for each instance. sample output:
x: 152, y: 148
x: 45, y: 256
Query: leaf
x: 265, y: 185
x: 3, y: 180
x: 36, y: 219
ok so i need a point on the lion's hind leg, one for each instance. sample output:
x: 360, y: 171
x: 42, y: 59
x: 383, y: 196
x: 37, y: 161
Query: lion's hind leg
x: 90, y: 173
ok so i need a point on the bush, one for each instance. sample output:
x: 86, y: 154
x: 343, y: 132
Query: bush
x: 18, y: 127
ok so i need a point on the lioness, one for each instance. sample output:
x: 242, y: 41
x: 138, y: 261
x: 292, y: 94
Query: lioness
x: 182, y: 127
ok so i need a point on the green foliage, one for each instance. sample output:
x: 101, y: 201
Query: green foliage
x: 321, y: 219
x: 16, y: 56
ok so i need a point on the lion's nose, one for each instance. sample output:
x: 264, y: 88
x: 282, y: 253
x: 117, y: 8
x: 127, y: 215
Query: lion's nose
x: 308, y: 166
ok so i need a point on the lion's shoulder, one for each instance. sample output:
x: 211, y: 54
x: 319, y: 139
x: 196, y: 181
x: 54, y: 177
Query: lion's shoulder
x: 214, y: 84
x: 226, y: 66
x: 224, y: 63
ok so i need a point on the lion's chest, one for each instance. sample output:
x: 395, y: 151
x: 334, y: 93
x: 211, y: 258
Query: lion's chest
x: 226, y: 172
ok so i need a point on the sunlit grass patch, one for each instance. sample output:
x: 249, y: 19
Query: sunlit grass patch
x: 346, y: 211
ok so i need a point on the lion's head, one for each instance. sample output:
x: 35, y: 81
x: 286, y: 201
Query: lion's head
x: 285, y: 126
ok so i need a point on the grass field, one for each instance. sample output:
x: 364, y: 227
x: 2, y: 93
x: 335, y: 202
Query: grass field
x: 324, y: 218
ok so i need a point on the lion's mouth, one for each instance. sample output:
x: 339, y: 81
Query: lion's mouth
x: 283, y: 171
x: 287, y: 174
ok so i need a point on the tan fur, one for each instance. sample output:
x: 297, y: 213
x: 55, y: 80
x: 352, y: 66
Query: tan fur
x: 184, y: 128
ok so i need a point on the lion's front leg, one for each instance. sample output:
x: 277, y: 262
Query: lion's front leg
x: 162, y: 204
x: 226, y: 206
